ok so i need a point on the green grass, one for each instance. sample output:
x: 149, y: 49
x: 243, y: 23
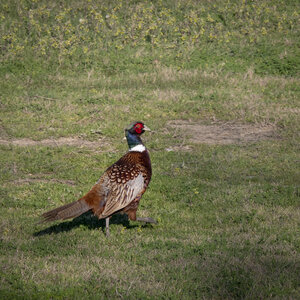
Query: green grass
x: 229, y: 215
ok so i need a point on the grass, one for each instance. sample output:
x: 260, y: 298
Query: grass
x: 228, y: 214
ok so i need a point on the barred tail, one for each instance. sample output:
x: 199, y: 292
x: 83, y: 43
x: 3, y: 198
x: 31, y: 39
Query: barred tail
x: 67, y: 211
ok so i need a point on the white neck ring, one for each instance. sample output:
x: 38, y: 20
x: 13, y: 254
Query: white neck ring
x: 138, y: 148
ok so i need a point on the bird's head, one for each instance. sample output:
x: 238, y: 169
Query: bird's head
x: 133, y: 133
x: 137, y: 128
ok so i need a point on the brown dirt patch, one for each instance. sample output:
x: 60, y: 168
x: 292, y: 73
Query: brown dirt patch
x: 63, y: 141
x: 42, y: 180
x: 223, y: 133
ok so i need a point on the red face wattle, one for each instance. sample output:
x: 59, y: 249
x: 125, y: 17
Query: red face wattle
x: 138, y: 127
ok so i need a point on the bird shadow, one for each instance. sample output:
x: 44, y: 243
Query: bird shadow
x: 89, y: 221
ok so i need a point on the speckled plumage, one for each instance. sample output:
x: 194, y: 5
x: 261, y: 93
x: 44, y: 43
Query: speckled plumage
x: 119, y: 189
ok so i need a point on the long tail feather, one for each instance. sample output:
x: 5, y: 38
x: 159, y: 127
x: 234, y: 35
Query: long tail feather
x: 68, y: 211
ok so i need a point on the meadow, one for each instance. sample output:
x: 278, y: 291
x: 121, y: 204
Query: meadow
x: 218, y: 84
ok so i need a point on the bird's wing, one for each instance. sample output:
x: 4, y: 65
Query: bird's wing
x: 122, y: 188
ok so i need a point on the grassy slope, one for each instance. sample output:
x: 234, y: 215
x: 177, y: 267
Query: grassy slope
x: 228, y: 214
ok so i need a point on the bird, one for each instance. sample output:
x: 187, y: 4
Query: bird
x: 119, y: 189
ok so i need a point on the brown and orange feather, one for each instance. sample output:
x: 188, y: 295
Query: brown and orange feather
x: 119, y: 189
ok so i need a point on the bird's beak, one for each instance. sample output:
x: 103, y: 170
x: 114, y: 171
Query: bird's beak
x: 146, y: 128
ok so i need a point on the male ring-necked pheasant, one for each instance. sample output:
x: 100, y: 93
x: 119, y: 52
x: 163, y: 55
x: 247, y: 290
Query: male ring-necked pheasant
x: 119, y: 189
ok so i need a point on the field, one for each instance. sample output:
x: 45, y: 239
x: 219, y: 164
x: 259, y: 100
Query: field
x: 218, y: 84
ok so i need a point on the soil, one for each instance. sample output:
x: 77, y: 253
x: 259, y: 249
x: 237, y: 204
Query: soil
x: 223, y: 133
x: 69, y: 141
x: 43, y: 180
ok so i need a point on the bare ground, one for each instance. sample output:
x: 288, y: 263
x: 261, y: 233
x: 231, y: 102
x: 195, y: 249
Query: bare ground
x: 68, y: 141
x: 222, y: 133
x: 43, y: 180
x: 193, y: 132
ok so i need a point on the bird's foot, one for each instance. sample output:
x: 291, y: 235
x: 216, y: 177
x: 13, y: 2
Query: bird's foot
x: 147, y: 220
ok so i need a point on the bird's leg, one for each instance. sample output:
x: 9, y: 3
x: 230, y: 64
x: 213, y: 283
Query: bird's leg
x: 107, y: 226
x: 147, y: 220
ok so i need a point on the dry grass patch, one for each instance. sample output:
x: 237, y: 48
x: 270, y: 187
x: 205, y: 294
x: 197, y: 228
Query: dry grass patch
x: 223, y: 133
x: 168, y: 75
x: 264, y: 99
x: 167, y: 95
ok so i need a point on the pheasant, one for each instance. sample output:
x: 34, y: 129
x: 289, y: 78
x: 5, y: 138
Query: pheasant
x: 119, y: 189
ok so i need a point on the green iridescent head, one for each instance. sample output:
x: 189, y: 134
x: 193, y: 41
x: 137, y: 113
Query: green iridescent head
x: 133, y: 133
